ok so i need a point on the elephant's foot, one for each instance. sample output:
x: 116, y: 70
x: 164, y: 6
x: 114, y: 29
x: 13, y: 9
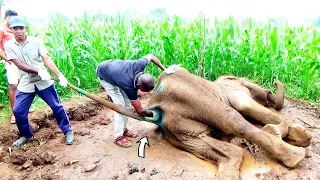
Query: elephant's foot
x: 290, y: 155
x: 293, y: 157
x: 229, y: 157
x: 272, y: 129
x: 228, y: 167
x: 298, y: 136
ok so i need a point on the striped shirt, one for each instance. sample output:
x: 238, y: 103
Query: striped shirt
x: 29, y: 53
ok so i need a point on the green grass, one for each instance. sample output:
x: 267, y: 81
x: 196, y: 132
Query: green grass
x: 6, y: 112
x: 262, y: 52
x: 4, y: 115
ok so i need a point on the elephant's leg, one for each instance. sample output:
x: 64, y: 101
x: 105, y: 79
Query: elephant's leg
x: 232, y: 122
x: 266, y: 97
x: 259, y: 94
x: 243, y: 103
x: 298, y: 136
x: 227, y: 156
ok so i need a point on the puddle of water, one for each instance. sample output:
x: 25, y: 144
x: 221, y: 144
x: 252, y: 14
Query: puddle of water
x: 211, y: 167
x: 249, y: 168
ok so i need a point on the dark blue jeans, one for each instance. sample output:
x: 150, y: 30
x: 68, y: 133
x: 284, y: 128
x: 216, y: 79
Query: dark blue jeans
x: 23, y: 103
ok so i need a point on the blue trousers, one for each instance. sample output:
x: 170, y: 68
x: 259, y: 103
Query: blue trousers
x: 23, y: 103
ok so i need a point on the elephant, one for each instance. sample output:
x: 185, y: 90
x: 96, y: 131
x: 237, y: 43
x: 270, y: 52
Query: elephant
x: 254, y: 102
x: 189, y: 109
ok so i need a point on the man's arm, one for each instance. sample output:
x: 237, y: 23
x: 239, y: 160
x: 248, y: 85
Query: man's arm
x: 138, y: 107
x: 51, y: 65
x: 155, y: 60
x: 11, y: 56
x: 47, y: 60
x: 24, y: 67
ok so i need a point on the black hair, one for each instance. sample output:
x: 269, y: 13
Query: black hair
x: 10, y: 13
x: 146, y: 81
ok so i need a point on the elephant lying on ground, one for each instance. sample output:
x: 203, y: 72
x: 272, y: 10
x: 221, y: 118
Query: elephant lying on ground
x: 188, y: 108
x: 254, y: 102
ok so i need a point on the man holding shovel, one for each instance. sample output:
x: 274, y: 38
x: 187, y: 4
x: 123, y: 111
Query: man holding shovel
x: 122, y: 79
x: 29, y: 54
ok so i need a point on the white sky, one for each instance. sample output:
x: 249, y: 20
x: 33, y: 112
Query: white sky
x: 295, y: 10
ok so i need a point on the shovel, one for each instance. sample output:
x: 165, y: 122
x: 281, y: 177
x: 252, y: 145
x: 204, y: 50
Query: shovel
x: 157, y: 112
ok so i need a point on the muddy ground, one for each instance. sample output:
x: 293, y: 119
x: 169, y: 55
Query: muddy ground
x: 95, y: 156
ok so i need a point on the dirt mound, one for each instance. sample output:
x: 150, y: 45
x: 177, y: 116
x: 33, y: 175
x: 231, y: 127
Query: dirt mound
x: 8, y: 134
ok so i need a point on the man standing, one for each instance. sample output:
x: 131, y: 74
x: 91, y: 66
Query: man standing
x: 122, y: 79
x: 12, y: 70
x: 29, y: 54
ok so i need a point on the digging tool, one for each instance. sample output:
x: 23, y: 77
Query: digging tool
x: 157, y: 113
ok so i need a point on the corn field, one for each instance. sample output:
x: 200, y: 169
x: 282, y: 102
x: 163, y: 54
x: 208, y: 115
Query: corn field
x: 262, y: 52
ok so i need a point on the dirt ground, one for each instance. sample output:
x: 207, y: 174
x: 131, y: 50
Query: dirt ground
x: 95, y: 156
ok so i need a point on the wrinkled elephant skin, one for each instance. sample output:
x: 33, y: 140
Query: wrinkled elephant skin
x: 192, y: 107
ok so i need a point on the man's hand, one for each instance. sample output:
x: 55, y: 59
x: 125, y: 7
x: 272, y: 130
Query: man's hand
x: 155, y: 60
x: 63, y: 81
x: 44, y: 75
x: 140, y: 110
x: 145, y: 112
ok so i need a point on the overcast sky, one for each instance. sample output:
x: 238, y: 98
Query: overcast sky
x: 295, y: 10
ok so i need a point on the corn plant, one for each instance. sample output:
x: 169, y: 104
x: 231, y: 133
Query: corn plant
x: 262, y: 52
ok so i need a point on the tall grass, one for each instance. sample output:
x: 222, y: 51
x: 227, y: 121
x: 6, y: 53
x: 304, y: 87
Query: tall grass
x: 262, y: 52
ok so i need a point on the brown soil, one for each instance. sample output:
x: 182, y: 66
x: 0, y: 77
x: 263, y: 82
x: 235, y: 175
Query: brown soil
x: 95, y: 156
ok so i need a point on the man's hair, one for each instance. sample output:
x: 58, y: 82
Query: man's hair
x: 10, y: 13
x: 146, y: 81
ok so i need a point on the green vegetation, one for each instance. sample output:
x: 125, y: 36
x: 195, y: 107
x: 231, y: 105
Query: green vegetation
x: 262, y: 52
